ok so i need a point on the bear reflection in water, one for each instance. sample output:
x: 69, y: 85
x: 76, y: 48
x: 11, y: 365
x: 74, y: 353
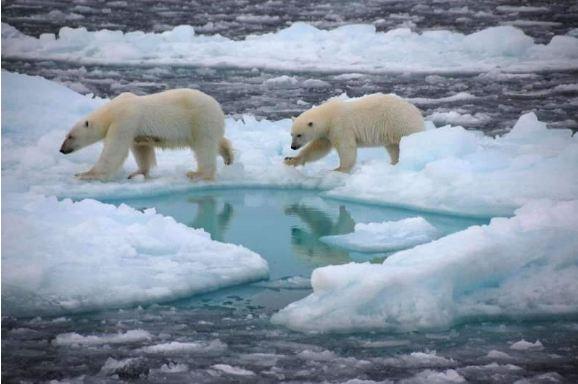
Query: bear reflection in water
x: 306, y: 243
x: 209, y: 218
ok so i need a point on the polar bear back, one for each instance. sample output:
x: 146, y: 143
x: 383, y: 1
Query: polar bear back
x: 380, y: 119
x: 175, y: 118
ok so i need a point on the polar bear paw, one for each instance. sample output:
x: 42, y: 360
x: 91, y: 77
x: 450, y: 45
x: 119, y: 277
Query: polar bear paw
x: 292, y: 161
x: 196, y: 176
x: 90, y: 175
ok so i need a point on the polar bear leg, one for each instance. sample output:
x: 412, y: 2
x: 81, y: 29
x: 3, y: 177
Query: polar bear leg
x: 113, y: 155
x: 144, y: 155
x: 393, y: 150
x: 313, y: 151
x: 347, y: 151
x: 206, y: 156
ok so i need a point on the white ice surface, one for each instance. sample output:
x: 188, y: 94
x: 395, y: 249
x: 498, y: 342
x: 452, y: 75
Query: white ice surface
x: 386, y: 236
x: 302, y: 46
x: 444, y: 170
x: 520, y: 267
x: 447, y: 169
x: 64, y: 256
x: 76, y: 340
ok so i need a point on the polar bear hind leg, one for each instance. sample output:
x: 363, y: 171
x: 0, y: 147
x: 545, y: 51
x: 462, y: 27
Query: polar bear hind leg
x: 226, y: 151
x: 145, y: 158
x: 393, y: 150
x: 206, y: 156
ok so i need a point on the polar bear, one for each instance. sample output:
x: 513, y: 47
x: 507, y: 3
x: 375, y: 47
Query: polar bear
x: 371, y: 121
x: 176, y: 118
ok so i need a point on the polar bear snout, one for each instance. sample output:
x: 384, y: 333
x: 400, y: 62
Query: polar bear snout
x: 67, y: 146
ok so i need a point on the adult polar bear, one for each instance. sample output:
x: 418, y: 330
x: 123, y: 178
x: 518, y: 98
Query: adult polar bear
x: 177, y: 118
x: 371, y: 121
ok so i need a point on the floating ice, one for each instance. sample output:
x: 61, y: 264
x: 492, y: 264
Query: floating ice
x: 74, y: 339
x: 524, y: 345
x: 236, y: 371
x: 386, y: 236
x: 521, y: 266
x: 456, y: 118
x: 61, y: 256
x: 178, y: 347
x: 302, y: 47
x: 448, y: 169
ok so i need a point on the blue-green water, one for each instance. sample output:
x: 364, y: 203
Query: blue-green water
x: 285, y: 226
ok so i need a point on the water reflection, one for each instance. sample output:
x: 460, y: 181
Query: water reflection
x: 209, y: 218
x: 306, y: 243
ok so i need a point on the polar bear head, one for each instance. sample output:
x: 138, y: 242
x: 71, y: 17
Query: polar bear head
x: 311, y: 124
x: 87, y: 131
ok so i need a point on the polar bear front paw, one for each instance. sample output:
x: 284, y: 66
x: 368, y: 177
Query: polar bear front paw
x: 196, y: 176
x: 292, y: 161
x: 89, y: 175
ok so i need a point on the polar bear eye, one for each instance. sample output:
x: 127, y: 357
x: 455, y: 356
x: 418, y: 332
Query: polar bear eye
x: 299, y: 135
x: 86, y: 123
x: 310, y: 124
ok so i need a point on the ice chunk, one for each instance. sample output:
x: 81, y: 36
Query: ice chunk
x: 74, y: 339
x: 303, y: 47
x: 429, y: 376
x: 178, y: 347
x: 456, y: 118
x: 524, y: 345
x: 520, y: 266
x: 64, y: 256
x: 230, y: 370
x: 386, y: 236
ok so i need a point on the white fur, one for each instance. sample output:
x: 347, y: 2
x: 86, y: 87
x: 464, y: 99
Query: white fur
x: 371, y: 121
x: 171, y: 119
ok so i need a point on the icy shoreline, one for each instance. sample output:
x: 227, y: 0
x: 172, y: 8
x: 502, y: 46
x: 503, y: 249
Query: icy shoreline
x: 303, y: 47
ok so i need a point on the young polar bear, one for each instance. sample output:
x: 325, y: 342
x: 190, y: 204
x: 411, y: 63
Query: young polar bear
x: 177, y: 118
x: 371, y: 121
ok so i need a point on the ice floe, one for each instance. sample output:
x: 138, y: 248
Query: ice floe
x: 520, y: 267
x: 302, y: 46
x: 515, y: 266
x: 386, y: 236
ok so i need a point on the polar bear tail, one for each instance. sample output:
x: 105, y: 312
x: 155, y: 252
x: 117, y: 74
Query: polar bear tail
x: 226, y: 151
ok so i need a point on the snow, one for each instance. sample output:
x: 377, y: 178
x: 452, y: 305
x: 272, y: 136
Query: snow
x: 111, y: 256
x: 386, y: 236
x: 522, y: 266
x: 76, y: 340
x: 304, y: 47
x: 517, y: 266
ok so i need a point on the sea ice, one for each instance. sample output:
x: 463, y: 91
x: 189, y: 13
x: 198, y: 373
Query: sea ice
x: 386, y: 236
x: 520, y: 266
x: 64, y: 256
x: 304, y: 47
x: 529, y: 171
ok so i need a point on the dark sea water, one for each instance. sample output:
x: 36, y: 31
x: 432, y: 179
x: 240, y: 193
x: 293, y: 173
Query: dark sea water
x: 238, y: 344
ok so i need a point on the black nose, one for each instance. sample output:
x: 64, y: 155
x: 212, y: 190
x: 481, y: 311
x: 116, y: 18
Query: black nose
x: 294, y: 147
x: 65, y: 151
